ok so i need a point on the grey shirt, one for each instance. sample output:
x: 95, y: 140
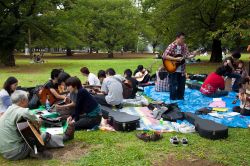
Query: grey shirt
x: 113, y: 88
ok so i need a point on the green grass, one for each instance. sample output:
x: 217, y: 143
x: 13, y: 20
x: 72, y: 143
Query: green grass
x: 117, y: 148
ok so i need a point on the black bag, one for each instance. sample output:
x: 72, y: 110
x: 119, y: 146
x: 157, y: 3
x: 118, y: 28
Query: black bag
x: 34, y: 101
x: 119, y: 120
x: 51, y: 122
x: 173, y: 113
x: 207, y: 128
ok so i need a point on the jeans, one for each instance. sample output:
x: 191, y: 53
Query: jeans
x: 177, y: 86
x: 218, y: 94
x: 237, y: 77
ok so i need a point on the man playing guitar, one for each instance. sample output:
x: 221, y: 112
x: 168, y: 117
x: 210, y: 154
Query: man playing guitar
x: 177, y: 79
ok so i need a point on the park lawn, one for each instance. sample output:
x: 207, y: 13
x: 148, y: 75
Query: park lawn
x: 117, y: 148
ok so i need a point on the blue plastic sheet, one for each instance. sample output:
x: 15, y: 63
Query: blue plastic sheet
x: 194, y: 100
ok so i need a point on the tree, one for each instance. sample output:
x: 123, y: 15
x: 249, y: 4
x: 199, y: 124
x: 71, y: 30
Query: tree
x: 109, y: 24
x: 204, y: 21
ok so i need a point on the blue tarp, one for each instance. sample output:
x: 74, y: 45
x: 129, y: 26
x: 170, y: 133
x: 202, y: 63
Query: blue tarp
x: 194, y: 100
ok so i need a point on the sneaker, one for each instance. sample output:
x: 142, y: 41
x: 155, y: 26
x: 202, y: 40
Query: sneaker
x: 184, y: 141
x: 156, y: 136
x: 143, y: 136
x: 174, y: 140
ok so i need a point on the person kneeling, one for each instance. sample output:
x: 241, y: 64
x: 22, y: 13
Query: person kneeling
x: 87, y: 112
x: 214, y: 84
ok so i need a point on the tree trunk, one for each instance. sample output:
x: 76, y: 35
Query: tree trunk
x: 216, y: 55
x: 7, y: 56
x: 69, y: 52
x: 110, y: 54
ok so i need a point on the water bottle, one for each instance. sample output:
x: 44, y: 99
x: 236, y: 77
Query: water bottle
x: 47, y: 104
x: 161, y: 121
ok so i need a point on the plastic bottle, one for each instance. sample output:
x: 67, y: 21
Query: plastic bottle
x: 161, y: 121
x: 47, y: 104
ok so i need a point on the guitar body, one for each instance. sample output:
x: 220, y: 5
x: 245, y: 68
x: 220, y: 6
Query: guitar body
x: 171, y: 66
x: 30, y: 135
x: 139, y: 76
x: 43, y: 93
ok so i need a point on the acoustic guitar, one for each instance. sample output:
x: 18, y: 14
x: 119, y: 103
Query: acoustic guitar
x: 45, y: 93
x: 30, y: 135
x: 172, y: 65
x: 139, y: 76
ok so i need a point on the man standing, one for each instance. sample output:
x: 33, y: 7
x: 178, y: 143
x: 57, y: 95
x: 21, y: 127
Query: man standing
x: 177, y: 79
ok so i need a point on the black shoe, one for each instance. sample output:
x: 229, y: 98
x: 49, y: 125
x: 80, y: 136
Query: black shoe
x: 184, y: 141
x: 174, y: 140
x: 119, y: 106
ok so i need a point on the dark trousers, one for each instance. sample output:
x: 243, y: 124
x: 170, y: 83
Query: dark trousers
x: 177, y: 86
x: 237, y: 77
x: 101, y: 100
x: 218, y: 94
x: 87, y: 122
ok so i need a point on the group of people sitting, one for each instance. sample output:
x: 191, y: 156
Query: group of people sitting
x: 80, y: 104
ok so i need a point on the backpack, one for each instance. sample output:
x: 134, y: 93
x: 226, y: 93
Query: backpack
x: 173, y: 113
x: 127, y: 88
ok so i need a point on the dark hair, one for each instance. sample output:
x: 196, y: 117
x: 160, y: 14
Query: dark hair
x: 62, y: 77
x: 128, y: 72
x: 110, y: 72
x: 8, y: 83
x: 74, y: 82
x: 221, y: 70
x: 140, y: 67
x: 85, y: 70
x: 54, y: 73
x: 101, y: 74
x: 243, y: 81
x: 179, y: 34
x: 240, y: 62
x: 236, y: 55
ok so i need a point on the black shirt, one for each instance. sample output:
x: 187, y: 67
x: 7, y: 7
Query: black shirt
x: 51, y: 85
x: 134, y: 86
x: 85, y: 103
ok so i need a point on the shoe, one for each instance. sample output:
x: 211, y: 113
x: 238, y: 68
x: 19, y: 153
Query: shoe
x: 184, y: 141
x: 44, y: 155
x: 156, y: 136
x: 174, y: 140
x: 69, y: 133
x: 143, y: 136
x: 119, y: 106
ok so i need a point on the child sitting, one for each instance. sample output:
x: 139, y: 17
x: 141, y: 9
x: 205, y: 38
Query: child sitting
x: 241, y: 69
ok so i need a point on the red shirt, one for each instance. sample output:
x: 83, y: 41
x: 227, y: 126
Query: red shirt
x: 212, y: 83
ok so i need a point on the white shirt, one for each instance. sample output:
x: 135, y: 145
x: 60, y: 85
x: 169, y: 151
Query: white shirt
x: 5, y: 101
x: 178, y: 51
x: 93, y: 80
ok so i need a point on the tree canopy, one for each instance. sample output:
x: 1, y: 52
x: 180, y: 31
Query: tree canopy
x: 113, y: 25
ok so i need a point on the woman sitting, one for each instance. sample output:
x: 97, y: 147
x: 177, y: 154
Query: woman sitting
x: 9, y: 87
x: 162, y: 83
x: 214, y: 84
x: 87, y: 110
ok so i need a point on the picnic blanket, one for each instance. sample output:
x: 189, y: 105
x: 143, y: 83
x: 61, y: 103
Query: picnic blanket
x: 194, y: 100
x: 44, y: 129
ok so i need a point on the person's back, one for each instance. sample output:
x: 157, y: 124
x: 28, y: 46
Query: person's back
x: 93, y: 80
x: 212, y: 83
x: 162, y: 82
x: 113, y: 87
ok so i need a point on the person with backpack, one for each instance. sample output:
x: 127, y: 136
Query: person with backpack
x: 132, y: 82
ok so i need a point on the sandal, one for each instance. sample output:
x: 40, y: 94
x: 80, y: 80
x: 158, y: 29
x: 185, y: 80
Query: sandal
x: 156, y: 136
x: 143, y: 136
